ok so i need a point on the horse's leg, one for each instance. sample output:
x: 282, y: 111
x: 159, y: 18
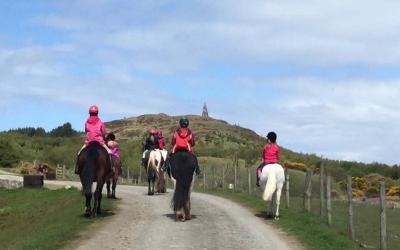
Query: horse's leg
x: 152, y: 185
x: 108, y: 188
x: 149, y: 186
x: 98, y: 196
x: 187, y: 210
x: 278, y: 201
x: 114, y: 185
x: 88, y: 209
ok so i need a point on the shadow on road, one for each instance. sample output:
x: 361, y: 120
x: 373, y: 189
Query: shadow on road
x: 104, y: 214
x: 264, y: 215
x: 172, y: 216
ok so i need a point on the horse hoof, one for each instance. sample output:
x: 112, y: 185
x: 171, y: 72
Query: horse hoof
x: 276, y: 218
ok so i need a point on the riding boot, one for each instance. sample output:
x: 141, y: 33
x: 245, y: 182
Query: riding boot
x: 76, y: 166
x: 144, y: 162
x: 197, y: 170
x: 259, y: 169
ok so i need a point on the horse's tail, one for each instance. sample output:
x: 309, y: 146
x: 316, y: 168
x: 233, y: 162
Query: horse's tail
x: 270, y: 187
x: 89, y: 170
x: 184, y: 177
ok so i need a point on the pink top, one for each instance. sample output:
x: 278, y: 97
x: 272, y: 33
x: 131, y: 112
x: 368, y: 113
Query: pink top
x: 115, y: 151
x: 271, y: 153
x: 95, y: 130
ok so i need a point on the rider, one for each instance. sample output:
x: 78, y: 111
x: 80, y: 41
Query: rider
x: 161, y: 142
x: 270, y: 154
x: 95, y: 131
x: 150, y: 143
x: 183, y: 139
x: 112, y: 144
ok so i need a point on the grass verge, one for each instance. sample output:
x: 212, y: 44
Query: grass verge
x: 42, y: 218
x: 308, y: 228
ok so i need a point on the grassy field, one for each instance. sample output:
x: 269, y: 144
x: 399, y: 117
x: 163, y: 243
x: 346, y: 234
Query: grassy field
x: 42, y: 218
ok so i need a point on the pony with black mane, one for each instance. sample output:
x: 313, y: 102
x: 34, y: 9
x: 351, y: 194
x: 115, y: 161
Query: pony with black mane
x: 94, y: 165
x: 183, y: 165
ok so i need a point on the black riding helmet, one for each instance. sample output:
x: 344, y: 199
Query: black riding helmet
x: 272, y: 136
x: 110, y: 136
x: 184, y: 122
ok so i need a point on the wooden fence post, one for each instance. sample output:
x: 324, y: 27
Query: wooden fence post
x: 287, y: 190
x: 383, y: 236
x: 204, y: 178
x: 350, y: 204
x: 140, y: 175
x: 307, y: 190
x: 328, y: 200
x: 64, y: 170
x: 322, y: 190
x: 235, y: 180
x: 249, y: 178
x: 223, y: 178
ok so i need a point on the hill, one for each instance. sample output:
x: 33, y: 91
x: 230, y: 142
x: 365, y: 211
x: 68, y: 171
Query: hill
x: 215, y: 138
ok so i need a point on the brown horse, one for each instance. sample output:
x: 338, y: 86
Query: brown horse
x: 115, y: 172
x: 94, y: 165
x: 183, y: 165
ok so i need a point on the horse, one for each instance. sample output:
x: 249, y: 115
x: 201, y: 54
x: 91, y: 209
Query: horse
x: 272, y: 179
x: 183, y: 165
x: 115, y: 172
x: 94, y: 164
x: 155, y: 177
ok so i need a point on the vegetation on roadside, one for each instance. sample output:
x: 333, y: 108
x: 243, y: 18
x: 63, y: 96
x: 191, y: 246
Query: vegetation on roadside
x: 47, y: 218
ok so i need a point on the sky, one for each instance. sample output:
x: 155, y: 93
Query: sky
x: 324, y: 75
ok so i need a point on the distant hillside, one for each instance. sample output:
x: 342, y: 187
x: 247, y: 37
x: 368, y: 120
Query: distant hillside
x: 205, y: 129
x: 215, y: 138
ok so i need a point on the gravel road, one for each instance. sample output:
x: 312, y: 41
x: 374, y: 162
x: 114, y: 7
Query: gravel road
x: 147, y: 222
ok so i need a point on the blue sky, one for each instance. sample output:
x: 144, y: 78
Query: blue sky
x: 324, y: 75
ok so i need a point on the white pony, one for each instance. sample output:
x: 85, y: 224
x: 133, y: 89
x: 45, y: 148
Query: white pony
x: 155, y: 176
x: 272, y: 179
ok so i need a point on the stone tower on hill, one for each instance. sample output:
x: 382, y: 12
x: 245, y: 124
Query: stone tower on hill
x: 205, y: 111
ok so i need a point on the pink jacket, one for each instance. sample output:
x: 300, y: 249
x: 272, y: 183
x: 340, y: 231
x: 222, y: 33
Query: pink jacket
x: 95, y: 130
x: 270, y: 153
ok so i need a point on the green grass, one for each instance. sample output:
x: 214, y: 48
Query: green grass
x: 308, y: 228
x: 42, y: 218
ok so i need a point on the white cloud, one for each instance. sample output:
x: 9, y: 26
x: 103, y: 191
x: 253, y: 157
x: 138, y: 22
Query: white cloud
x: 349, y: 119
x: 177, y: 34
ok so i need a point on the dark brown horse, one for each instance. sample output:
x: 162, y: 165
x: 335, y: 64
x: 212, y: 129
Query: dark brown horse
x: 115, y: 172
x: 94, y: 165
x: 183, y: 165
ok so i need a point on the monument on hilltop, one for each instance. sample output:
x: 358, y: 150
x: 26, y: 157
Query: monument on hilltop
x: 205, y: 111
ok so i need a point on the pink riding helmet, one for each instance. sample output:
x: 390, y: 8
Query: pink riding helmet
x: 93, y: 109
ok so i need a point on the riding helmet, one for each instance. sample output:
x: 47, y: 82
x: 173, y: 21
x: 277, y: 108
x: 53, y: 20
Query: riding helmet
x: 110, y: 136
x: 93, y: 110
x: 184, y: 122
x: 272, y: 136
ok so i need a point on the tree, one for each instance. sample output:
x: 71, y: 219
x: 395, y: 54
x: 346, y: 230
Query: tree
x: 8, y: 154
x: 64, y: 130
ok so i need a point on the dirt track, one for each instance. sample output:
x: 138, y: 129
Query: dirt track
x: 144, y: 222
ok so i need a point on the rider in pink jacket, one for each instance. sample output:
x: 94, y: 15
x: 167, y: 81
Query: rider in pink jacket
x: 95, y: 131
x: 94, y: 127
x: 270, y: 154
